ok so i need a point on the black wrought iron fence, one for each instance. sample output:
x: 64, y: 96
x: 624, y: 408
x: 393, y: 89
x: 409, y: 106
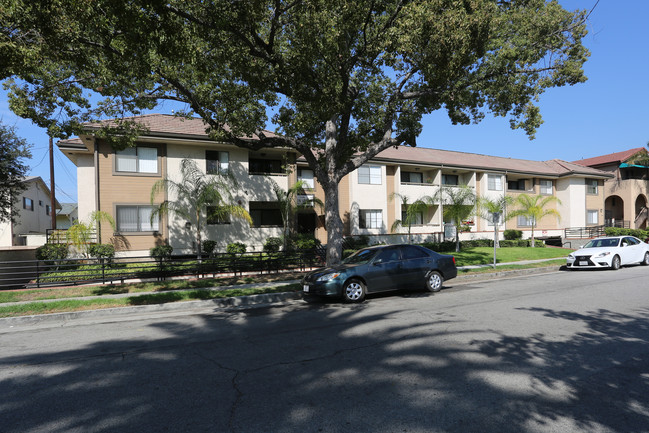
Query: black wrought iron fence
x: 40, y: 273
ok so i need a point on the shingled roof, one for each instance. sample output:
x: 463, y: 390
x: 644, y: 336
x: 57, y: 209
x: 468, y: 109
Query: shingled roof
x: 611, y: 158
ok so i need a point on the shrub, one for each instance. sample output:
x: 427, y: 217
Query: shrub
x: 357, y: 242
x: 512, y: 234
x: 101, y: 251
x: 236, y: 248
x: 304, y: 241
x: 161, y: 252
x: 272, y: 245
x: 618, y: 231
x: 52, y: 252
x: 209, y: 247
x: 478, y: 243
x: 439, y: 246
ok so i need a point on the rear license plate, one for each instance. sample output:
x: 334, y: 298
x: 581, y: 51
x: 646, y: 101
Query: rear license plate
x: 582, y: 263
x: 306, y: 288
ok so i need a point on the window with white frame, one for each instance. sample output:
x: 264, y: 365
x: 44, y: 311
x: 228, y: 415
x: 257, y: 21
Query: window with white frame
x: 525, y: 221
x: 217, y: 162
x: 306, y: 176
x: 370, y: 218
x: 591, y: 217
x: 135, y: 218
x: 369, y: 174
x: 545, y: 186
x: 137, y: 160
x: 305, y: 200
x: 494, y: 182
x: 591, y: 186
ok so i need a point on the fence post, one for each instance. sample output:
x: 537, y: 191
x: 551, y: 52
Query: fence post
x: 103, y: 273
x: 38, y: 274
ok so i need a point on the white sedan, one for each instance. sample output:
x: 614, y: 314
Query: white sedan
x: 609, y: 252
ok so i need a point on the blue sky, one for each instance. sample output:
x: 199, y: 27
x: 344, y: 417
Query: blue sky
x: 606, y: 114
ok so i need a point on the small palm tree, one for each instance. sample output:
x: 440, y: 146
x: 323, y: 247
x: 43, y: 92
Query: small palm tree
x: 533, y: 207
x: 195, y: 192
x: 84, y: 233
x: 459, y: 203
x: 413, y: 210
x: 288, y: 205
x: 486, y: 207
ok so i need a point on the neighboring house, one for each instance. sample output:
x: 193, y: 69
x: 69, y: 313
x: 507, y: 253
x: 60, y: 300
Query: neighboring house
x: 626, y: 192
x: 66, y: 216
x: 119, y: 182
x: 33, y: 219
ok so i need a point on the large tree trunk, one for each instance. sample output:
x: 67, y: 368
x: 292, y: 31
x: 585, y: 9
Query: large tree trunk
x: 333, y: 223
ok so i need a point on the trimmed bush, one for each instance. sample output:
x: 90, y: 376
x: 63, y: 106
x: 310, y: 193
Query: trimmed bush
x: 209, y: 247
x: 478, y: 243
x: 512, y: 234
x: 358, y: 242
x: 618, y: 231
x: 272, y: 245
x: 304, y: 242
x: 236, y: 248
x: 101, y: 251
x: 52, y: 252
x: 161, y: 252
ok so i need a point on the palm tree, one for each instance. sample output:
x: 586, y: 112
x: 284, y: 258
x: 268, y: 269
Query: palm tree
x: 413, y: 210
x: 486, y: 207
x: 83, y: 233
x: 195, y: 192
x: 533, y: 207
x: 288, y: 205
x: 459, y: 203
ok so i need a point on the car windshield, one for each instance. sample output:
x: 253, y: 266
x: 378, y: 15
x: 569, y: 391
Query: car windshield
x: 360, y: 257
x: 602, y: 243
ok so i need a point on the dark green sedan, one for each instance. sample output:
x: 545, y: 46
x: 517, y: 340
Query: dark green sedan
x: 379, y: 269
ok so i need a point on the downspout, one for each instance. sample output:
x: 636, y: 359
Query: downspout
x: 97, y: 208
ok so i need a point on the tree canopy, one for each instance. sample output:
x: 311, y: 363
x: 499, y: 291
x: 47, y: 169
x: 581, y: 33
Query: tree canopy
x: 340, y: 80
x: 13, y: 152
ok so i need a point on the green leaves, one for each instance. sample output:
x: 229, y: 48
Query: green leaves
x: 13, y: 153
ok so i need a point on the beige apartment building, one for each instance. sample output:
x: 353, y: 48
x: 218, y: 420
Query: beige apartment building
x: 120, y: 182
x: 625, y: 192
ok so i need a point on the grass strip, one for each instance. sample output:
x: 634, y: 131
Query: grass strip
x: 63, y: 306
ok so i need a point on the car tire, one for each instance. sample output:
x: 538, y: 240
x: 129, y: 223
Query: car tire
x: 615, y: 263
x: 645, y: 261
x: 434, y: 281
x: 354, y: 291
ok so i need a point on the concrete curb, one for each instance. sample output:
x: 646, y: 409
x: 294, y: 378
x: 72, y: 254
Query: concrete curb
x: 234, y: 302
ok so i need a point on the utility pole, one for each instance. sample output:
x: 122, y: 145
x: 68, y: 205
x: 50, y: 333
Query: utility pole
x: 52, y: 196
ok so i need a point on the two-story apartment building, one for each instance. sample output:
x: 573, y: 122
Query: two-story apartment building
x: 625, y: 192
x: 33, y: 219
x: 120, y: 182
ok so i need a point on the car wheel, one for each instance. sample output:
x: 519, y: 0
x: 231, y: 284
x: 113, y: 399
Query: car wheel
x: 434, y: 281
x: 645, y: 261
x: 615, y: 263
x: 354, y: 291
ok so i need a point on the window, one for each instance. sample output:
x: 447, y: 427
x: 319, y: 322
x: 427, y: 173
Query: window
x: 450, y: 179
x: 545, y: 186
x: 412, y: 252
x: 136, y: 219
x: 516, y: 185
x: 48, y: 210
x: 28, y: 203
x: 494, y: 182
x: 265, y: 213
x: 305, y: 199
x: 40, y: 202
x: 306, y: 176
x: 417, y: 218
x: 591, y: 186
x: 217, y: 162
x: 213, y: 218
x: 411, y: 177
x: 387, y: 255
x: 265, y: 166
x: 524, y: 221
x: 137, y: 160
x: 370, y: 218
x: 369, y: 174
x: 591, y: 217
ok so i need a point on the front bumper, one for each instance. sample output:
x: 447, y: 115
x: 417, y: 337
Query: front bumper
x: 331, y: 288
x: 589, y: 262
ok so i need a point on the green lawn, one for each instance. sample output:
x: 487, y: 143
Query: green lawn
x: 485, y: 255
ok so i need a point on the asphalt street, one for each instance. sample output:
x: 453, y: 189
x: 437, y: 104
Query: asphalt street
x: 559, y: 352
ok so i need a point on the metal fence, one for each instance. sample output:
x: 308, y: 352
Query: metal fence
x: 42, y: 273
x: 584, y: 232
